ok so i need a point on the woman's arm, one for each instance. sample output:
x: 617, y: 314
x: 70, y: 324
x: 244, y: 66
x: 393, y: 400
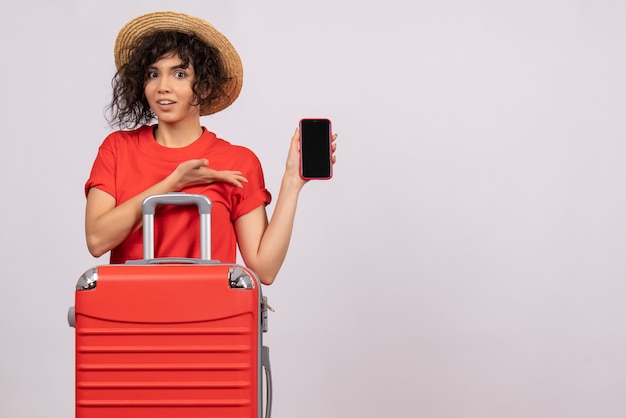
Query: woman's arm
x: 107, y: 225
x: 263, y: 245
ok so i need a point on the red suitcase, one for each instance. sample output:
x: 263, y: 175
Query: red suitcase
x: 171, y: 338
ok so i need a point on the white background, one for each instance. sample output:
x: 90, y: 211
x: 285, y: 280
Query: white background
x: 468, y: 257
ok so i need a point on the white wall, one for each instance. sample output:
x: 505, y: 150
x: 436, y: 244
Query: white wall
x: 467, y: 259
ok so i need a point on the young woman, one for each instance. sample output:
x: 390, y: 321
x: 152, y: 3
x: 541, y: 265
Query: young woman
x: 175, y: 68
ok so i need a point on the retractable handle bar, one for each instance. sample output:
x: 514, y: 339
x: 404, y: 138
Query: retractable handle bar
x: 204, y: 206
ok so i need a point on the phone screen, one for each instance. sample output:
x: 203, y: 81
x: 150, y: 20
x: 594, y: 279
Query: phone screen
x: 315, y: 151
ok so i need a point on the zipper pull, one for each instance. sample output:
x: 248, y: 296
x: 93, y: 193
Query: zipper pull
x: 266, y: 305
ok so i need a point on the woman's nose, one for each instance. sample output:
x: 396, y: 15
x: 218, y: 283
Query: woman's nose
x: 163, y: 86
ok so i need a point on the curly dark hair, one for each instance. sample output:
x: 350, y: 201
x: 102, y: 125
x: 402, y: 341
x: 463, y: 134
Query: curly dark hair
x: 129, y: 107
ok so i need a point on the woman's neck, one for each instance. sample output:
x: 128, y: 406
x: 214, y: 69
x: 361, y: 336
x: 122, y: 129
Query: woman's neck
x: 177, y: 136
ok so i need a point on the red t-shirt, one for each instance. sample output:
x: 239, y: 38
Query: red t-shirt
x: 129, y: 162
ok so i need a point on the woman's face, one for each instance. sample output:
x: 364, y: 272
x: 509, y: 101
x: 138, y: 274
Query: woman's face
x: 168, y: 89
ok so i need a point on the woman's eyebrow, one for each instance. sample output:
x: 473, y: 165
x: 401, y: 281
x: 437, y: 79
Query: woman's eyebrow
x: 173, y: 67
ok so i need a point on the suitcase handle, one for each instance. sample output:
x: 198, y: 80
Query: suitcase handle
x: 265, y: 360
x: 204, y: 205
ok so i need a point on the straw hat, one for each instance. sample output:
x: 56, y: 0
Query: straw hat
x: 173, y: 21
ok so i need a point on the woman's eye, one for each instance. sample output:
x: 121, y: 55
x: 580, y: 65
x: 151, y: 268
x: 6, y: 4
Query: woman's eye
x: 151, y: 74
x: 180, y: 74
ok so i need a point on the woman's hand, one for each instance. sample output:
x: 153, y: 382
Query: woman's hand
x: 197, y: 172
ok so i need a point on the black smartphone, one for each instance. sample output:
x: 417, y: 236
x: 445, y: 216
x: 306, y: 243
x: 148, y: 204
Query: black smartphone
x: 315, y: 149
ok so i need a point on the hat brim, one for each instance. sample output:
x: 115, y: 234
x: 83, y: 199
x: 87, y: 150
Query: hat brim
x: 149, y: 23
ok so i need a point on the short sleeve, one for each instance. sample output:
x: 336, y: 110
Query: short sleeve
x: 254, y: 192
x: 103, y: 170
